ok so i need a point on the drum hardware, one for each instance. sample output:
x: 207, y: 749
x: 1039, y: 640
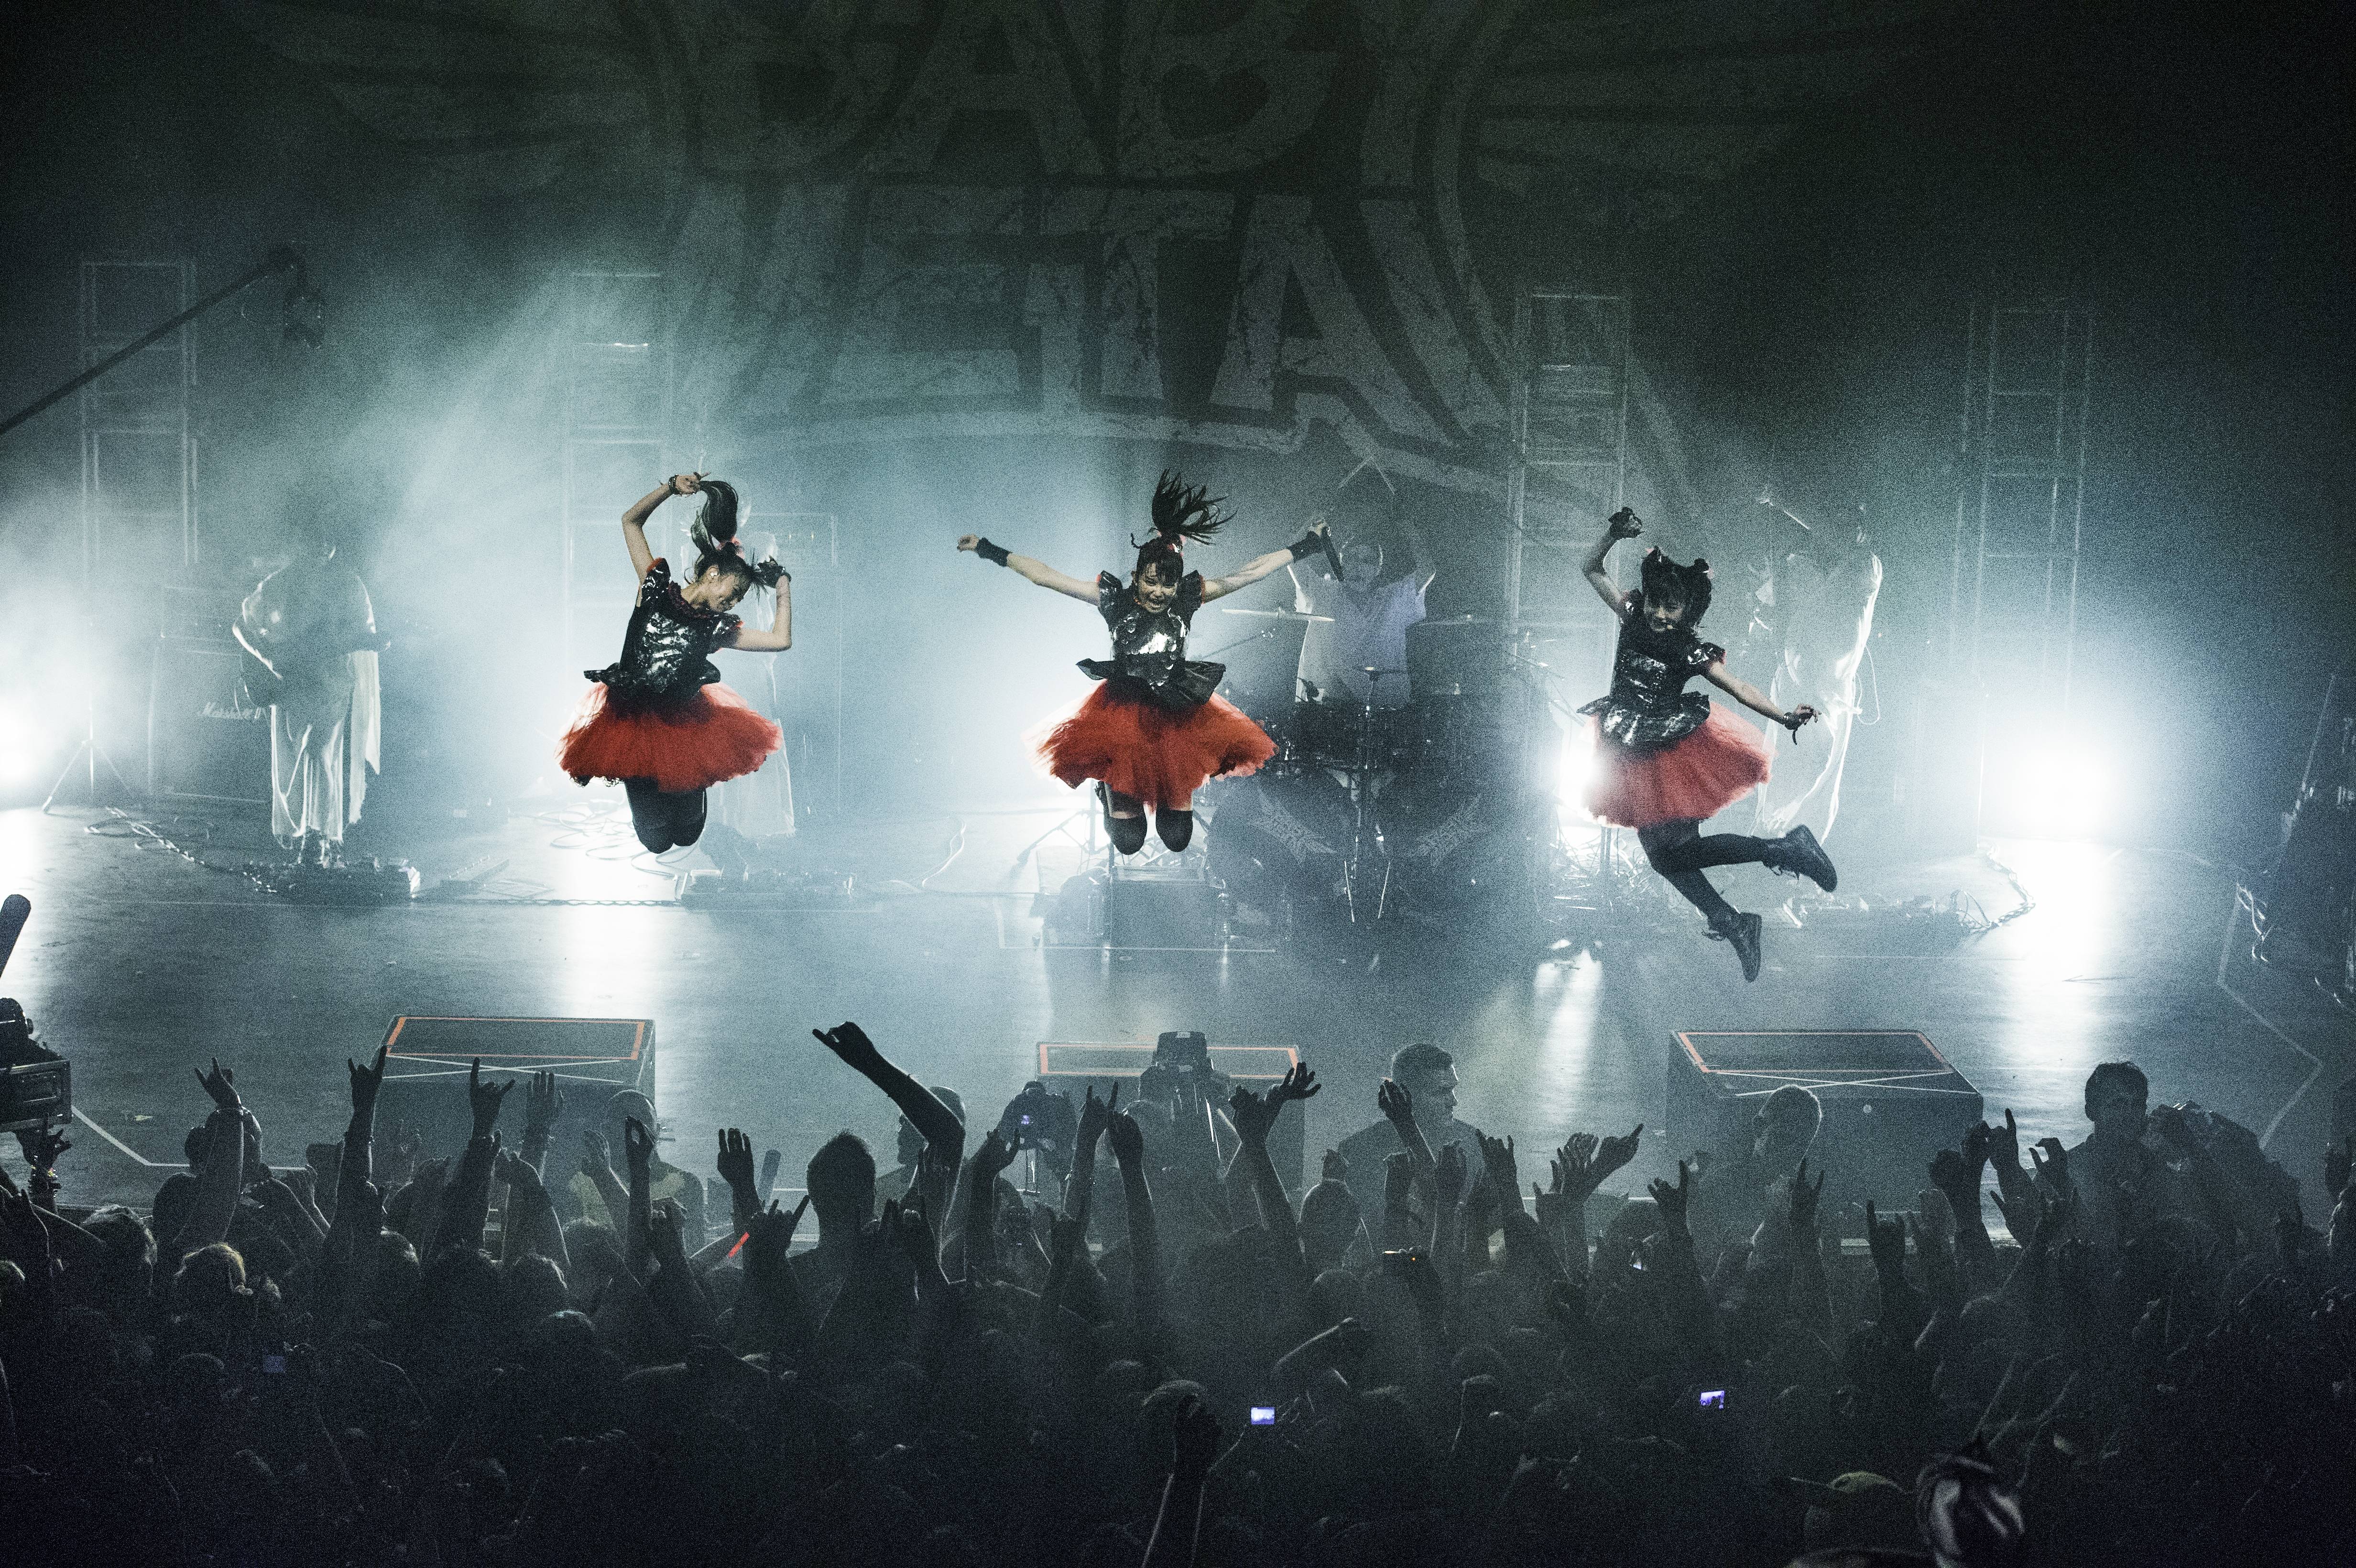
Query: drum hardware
x: 1434, y: 811
x: 1273, y: 614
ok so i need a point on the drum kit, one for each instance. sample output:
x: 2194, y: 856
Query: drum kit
x: 1415, y: 802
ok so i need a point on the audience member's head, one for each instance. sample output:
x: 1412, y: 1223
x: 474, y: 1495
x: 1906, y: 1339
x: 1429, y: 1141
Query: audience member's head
x: 2118, y: 1098
x: 841, y: 1184
x: 1786, y: 1128
x: 1428, y: 1075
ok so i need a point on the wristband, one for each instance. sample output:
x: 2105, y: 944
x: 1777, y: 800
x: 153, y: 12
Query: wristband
x: 993, y: 553
x: 1307, y: 545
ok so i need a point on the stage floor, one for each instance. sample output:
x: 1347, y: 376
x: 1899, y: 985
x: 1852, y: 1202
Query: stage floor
x: 140, y: 963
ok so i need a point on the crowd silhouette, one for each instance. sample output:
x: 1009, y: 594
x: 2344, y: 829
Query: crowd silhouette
x: 1450, y: 1349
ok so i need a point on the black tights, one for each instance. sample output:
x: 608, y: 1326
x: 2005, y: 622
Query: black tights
x: 1176, y: 827
x: 664, y: 821
x: 1679, y: 851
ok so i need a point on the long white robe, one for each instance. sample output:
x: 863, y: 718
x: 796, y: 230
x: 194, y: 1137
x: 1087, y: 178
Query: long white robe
x: 324, y: 742
x: 313, y: 622
x: 1826, y: 618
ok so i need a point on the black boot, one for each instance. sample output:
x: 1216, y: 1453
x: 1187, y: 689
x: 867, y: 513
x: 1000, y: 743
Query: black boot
x: 1798, y: 853
x: 1741, y: 934
x: 687, y: 813
x: 1127, y: 833
x: 1176, y: 827
x: 649, y: 816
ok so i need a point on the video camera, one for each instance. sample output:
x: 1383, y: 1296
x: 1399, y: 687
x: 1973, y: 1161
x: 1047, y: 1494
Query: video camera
x: 1035, y: 1119
x: 1183, y: 1057
x: 36, y: 1083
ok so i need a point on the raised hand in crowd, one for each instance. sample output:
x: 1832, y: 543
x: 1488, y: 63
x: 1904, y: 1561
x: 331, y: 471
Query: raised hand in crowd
x: 734, y: 1165
x: 367, y: 1081
x: 1499, y: 1171
x: 1254, y: 1116
x: 1398, y: 1107
x: 936, y: 1122
x: 1806, y: 1198
x: 483, y: 1099
x: 1671, y: 1201
x: 543, y: 1102
x: 221, y: 1085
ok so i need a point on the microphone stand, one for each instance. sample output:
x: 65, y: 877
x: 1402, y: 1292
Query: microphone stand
x: 300, y: 297
x: 89, y: 753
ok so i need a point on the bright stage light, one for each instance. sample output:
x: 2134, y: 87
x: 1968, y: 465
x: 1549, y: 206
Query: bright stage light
x: 2059, y: 791
x: 28, y: 743
x: 1574, y: 770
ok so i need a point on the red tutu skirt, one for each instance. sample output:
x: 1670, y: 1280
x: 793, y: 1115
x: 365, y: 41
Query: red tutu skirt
x: 1158, y: 756
x: 1699, y: 776
x: 714, y: 735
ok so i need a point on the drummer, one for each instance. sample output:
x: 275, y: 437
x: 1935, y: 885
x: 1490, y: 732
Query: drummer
x: 1366, y: 623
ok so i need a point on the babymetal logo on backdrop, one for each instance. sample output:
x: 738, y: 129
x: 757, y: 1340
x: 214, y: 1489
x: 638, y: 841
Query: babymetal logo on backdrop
x: 1202, y: 220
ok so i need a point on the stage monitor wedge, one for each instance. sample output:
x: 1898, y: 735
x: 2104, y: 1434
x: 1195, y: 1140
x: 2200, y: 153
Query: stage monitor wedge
x: 1069, y: 1067
x: 1891, y: 1101
x: 594, y: 1059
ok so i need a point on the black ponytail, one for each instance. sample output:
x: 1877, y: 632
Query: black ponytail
x: 713, y: 535
x: 1180, y: 512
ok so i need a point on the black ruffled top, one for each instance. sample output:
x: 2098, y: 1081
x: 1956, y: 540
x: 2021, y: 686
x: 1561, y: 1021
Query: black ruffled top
x: 1149, y: 659
x: 667, y: 652
x: 1649, y: 706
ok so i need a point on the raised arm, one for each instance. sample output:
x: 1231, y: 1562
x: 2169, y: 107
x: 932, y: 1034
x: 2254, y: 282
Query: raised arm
x: 1128, y: 1143
x: 1259, y: 566
x: 1254, y: 1118
x: 1624, y: 525
x: 466, y: 1207
x: 1029, y: 569
x: 634, y: 521
x: 1398, y: 1107
x: 919, y: 1105
x: 780, y: 634
x: 1426, y: 568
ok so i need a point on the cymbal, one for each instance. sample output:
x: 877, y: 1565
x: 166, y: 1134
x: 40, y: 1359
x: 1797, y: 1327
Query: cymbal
x: 1273, y: 614
x: 1459, y: 620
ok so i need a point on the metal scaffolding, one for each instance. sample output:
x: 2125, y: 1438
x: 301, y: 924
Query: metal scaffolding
x: 2019, y: 513
x: 617, y: 395
x: 138, y: 450
x: 1567, y: 469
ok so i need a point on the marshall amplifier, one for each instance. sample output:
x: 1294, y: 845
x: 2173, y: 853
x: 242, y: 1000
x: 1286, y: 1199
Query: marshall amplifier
x: 208, y: 739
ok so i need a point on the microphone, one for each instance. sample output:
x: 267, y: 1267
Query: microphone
x: 14, y: 910
x: 1332, y: 554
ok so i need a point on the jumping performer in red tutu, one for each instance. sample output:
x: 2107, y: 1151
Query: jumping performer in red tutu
x: 659, y: 719
x: 1153, y: 731
x: 1665, y: 757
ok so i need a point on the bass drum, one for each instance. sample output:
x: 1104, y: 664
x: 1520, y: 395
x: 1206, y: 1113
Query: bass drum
x: 1279, y: 840
x: 1459, y: 849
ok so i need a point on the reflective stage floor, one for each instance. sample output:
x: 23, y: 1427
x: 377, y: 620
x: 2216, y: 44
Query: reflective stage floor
x: 140, y: 962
